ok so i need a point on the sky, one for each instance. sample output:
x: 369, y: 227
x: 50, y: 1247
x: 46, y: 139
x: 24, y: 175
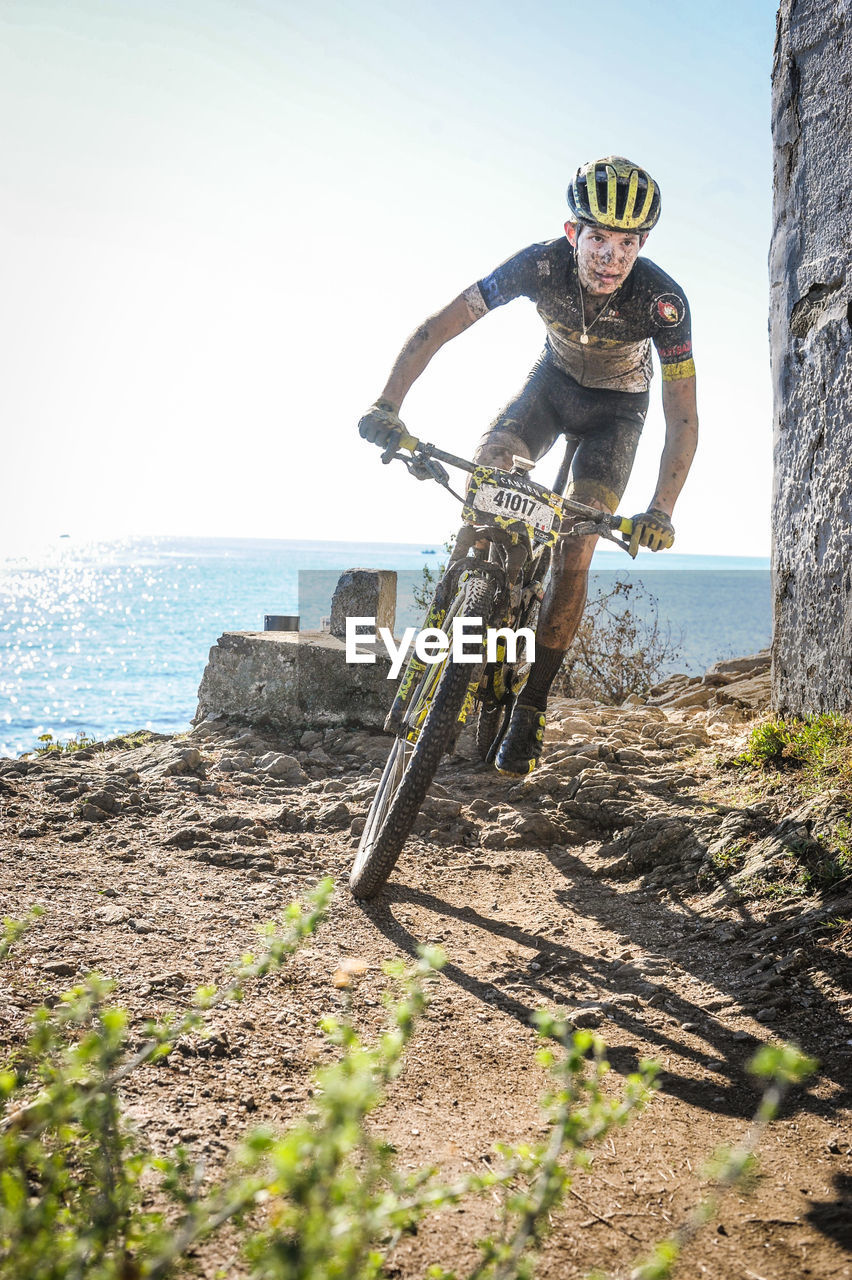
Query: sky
x: 220, y: 219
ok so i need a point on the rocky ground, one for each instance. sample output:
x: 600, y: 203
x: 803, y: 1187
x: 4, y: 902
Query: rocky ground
x: 636, y: 880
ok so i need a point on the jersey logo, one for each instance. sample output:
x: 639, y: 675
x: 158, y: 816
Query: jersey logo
x: 670, y: 308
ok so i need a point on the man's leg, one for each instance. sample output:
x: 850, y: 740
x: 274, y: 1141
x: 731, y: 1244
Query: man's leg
x: 601, y: 470
x: 561, y: 612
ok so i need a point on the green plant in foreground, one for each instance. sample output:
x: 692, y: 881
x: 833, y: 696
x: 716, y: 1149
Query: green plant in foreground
x: 322, y: 1201
x: 55, y: 746
x: 71, y: 1199
x: 820, y: 747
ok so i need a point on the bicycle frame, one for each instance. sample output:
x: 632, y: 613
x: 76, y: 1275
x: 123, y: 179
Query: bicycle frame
x: 495, y: 543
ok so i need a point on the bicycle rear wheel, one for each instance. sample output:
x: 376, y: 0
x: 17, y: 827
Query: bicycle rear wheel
x: 427, y: 731
x: 489, y: 723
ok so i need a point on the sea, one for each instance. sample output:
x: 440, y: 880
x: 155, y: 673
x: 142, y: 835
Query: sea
x: 105, y: 637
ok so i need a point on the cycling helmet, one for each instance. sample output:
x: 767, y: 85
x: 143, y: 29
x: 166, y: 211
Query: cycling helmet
x: 616, y: 193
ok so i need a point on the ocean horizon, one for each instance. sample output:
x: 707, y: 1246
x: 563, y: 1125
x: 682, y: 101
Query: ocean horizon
x: 106, y: 636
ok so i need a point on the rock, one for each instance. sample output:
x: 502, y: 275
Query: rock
x: 658, y: 840
x: 536, y: 829
x: 551, y: 778
x: 74, y: 835
x: 440, y: 809
x: 187, y: 761
x: 171, y: 978
x: 275, y: 764
x: 752, y: 694
x: 575, y: 726
x: 211, y: 727
x: 575, y: 832
x: 234, y: 763
x: 92, y: 813
x: 310, y: 739
x: 751, y: 665
x: 692, y: 737
x: 335, y: 815
x: 629, y: 755
x: 227, y: 822
x: 729, y: 715
x: 698, y: 696
x: 586, y: 1018
x: 188, y: 784
x: 111, y: 914
x: 186, y: 837
x: 105, y: 800
x: 670, y: 688
x: 60, y: 968
x: 592, y: 793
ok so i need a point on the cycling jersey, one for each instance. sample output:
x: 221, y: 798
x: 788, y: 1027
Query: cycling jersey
x: 648, y: 307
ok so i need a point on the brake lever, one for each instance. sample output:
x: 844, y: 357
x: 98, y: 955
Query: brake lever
x: 425, y: 468
x: 584, y: 527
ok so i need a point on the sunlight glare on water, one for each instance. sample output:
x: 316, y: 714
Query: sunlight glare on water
x: 88, y: 640
x: 106, y: 637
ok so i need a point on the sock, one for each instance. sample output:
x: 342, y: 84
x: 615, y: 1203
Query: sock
x: 544, y: 671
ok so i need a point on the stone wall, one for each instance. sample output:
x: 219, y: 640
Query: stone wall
x: 811, y: 346
x: 293, y: 679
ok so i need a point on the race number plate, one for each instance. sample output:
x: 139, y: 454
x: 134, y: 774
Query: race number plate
x: 498, y: 501
x: 512, y: 502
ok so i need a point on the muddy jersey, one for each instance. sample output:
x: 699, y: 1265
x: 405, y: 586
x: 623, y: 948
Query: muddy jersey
x: 649, y: 307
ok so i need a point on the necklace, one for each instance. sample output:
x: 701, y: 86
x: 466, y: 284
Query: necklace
x: 584, y: 336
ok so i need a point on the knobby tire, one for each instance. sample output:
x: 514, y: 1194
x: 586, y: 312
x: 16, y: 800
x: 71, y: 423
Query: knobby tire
x: 409, y: 771
x: 489, y: 724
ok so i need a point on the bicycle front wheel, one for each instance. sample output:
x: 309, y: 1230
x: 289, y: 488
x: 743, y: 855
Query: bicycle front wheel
x: 428, y: 730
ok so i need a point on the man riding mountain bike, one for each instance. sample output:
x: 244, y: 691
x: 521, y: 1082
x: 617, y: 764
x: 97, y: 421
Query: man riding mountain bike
x: 602, y: 307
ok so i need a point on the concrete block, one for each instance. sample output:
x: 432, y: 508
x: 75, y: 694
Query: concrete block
x: 288, y: 679
x: 364, y: 593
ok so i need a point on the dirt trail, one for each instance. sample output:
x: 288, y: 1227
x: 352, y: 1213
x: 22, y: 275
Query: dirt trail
x: 602, y: 885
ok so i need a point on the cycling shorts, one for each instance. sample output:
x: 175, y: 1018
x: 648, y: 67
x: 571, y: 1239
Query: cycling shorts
x: 603, y: 426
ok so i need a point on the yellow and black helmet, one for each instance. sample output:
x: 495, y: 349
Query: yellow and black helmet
x: 615, y: 193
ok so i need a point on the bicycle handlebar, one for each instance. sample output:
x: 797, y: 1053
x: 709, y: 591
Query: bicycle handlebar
x: 419, y: 448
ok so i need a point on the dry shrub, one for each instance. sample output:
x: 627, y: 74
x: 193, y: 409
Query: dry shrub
x: 621, y: 647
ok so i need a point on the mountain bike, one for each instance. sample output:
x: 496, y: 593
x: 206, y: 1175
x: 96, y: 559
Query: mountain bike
x: 496, y: 578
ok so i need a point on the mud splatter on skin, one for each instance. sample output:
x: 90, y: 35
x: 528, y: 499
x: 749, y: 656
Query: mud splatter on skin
x: 604, y: 261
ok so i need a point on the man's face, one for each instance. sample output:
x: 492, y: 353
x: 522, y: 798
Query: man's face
x: 604, y: 258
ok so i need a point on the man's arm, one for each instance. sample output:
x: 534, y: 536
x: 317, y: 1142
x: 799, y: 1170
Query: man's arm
x: 422, y: 345
x: 681, y: 413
